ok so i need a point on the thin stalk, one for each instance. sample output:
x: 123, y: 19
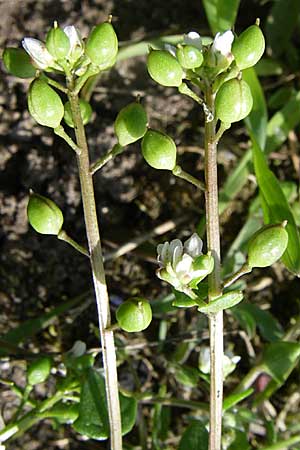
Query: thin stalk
x: 100, y: 287
x: 214, y: 283
x: 63, y: 236
x: 180, y: 173
x: 233, y: 278
x: 61, y: 132
x: 116, y: 150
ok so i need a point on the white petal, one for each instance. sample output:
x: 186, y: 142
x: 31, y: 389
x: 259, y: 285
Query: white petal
x: 78, y: 349
x: 193, y: 246
x: 74, y: 37
x: 171, y: 49
x: 193, y: 38
x: 37, y: 51
x: 204, y: 360
x: 184, y: 266
x: 177, y: 254
x: 163, y: 251
x: 223, y: 42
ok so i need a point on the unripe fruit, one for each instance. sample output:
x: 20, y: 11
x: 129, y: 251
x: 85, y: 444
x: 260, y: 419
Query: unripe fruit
x: 130, y: 124
x: 57, y: 43
x: 39, y: 370
x: 18, y: 63
x: 267, y: 245
x: 204, y: 263
x: 134, y: 314
x: 164, y: 68
x: 44, y: 215
x: 189, y: 56
x: 85, y: 111
x: 44, y: 104
x: 159, y: 150
x: 102, y: 46
x: 233, y: 101
x: 249, y: 47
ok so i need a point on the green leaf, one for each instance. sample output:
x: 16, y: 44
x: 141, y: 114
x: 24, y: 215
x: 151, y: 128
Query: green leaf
x: 268, y: 67
x: 189, y: 376
x: 221, y: 14
x: 183, y: 301
x: 283, y: 445
x: 279, y: 359
x: 276, y: 208
x: 245, y: 319
x: 194, y: 437
x: 225, y: 301
x: 128, y: 413
x: 234, y: 399
x: 240, y: 442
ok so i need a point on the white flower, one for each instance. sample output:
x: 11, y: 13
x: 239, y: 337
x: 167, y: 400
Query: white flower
x: 193, y: 246
x: 76, y: 42
x: 223, y: 42
x: 38, y: 53
x: 193, y: 38
x: 229, y: 361
x: 171, y: 49
x: 78, y: 349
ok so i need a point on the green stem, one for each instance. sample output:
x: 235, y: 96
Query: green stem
x: 214, y: 282
x: 100, y: 287
x: 116, y: 150
x: 63, y: 236
x: 283, y: 445
x: 222, y: 128
x: 242, y: 271
x: 61, y: 132
x: 55, y: 84
x: 178, y: 172
x: 248, y: 379
x: 90, y: 71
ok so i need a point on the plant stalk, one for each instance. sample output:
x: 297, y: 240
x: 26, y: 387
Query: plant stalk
x: 100, y: 287
x: 214, y: 281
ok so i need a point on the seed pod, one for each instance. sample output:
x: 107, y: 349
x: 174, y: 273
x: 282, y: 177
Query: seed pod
x: 57, y: 43
x: 189, y: 56
x: 249, y: 47
x: 102, y: 46
x: 85, y: 111
x: 130, y: 124
x: 44, y: 215
x: 267, y: 245
x: 164, y: 68
x: 134, y: 314
x: 39, y: 370
x: 204, y: 263
x: 18, y: 63
x: 44, y: 104
x: 159, y: 150
x: 233, y: 101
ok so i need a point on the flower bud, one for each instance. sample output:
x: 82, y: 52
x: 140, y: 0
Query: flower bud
x: 134, y: 314
x: 204, y: 263
x: 44, y: 215
x: 164, y: 68
x: 44, y: 104
x: 233, y: 101
x: 17, y: 62
x: 85, y: 111
x: 102, y: 46
x: 76, y: 43
x: 38, y: 371
x: 267, y: 245
x: 249, y: 47
x: 189, y: 56
x: 159, y: 150
x: 57, y: 43
x: 130, y: 124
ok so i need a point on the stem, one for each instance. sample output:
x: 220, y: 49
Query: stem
x: 61, y: 132
x: 55, y: 84
x: 222, y: 128
x: 242, y: 271
x: 62, y: 235
x: 100, y: 287
x: 178, y: 172
x: 116, y: 150
x: 214, y: 283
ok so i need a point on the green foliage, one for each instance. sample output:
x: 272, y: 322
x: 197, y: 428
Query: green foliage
x: 226, y: 301
x: 195, y: 436
x: 221, y: 14
x: 279, y: 359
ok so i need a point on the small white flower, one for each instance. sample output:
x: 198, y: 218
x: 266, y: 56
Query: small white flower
x: 76, y: 42
x: 193, y: 246
x: 223, y: 42
x: 78, y: 349
x: 171, y: 49
x: 193, y: 38
x: 229, y: 361
x: 38, y: 52
x: 204, y: 360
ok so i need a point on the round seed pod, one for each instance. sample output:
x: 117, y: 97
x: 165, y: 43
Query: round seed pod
x: 39, y: 370
x: 102, y: 46
x: 164, y: 68
x: 18, y: 63
x: 233, y: 101
x: 134, y: 314
x: 249, y: 47
x: 44, y: 104
x: 189, y: 56
x: 85, y: 111
x: 57, y: 43
x: 159, y: 150
x: 130, y: 124
x: 204, y: 263
x: 44, y: 215
x: 267, y: 245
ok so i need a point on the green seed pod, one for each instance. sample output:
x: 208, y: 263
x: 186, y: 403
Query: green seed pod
x: 130, y: 124
x: 204, y: 263
x: 267, y: 245
x: 134, y: 314
x: 189, y: 56
x: 57, y: 43
x: 85, y: 111
x: 44, y: 104
x: 18, y: 63
x: 39, y: 370
x: 44, y: 215
x: 233, y: 101
x: 102, y: 46
x: 164, y: 68
x: 249, y: 47
x: 159, y: 150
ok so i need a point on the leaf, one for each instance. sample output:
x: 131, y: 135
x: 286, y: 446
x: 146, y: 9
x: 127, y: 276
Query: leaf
x: 245, y: 319
x: 221, y: 14
x: 183, y: 301
x: 189, y: 376
x: 279, y: 359
x: 225, y: 301
x: 194, y: 437
x: 283, y: 445
x: 128, y: 413
x: 234, y: 399
x: 240, y: 442
x: 276, y: 208
x: 268, y: 67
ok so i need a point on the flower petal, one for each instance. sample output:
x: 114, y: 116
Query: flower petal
x: 193, y: 246
x: 171, y: 49
x: 36, y: 49
x: 223, y: 42
x: 193, y: 38
x: 76, y: 42
x: 184, y: 266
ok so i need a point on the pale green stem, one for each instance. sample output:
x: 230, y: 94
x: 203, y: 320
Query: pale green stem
x: 249, y: 379
x: 180, y: 173
x: 116, y: 150
x: 283, y: 445
x: 55, y: 84
x: 222, y: 128
x: 63, y: 236
x: 61, y: 132
x: 242, y: 271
